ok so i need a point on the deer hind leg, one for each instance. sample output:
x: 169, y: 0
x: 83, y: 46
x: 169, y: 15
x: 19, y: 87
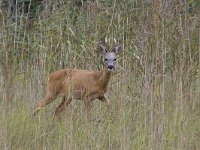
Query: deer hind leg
x: 45, y: 101
x: 62, y: 106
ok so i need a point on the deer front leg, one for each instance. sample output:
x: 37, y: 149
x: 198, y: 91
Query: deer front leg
x: 88, y: 109
x: 105, y: 100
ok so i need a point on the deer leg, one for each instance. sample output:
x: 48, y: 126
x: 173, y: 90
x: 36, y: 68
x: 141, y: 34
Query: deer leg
x: 88, y: 109
x: 107, y: 102
x: 45, y: 101
x: 62, y: 106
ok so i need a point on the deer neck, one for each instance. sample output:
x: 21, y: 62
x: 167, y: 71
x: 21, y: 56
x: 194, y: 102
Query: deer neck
x: 104, y: 79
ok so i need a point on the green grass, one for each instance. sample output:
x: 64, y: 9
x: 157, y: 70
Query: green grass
x: 154, y: 91
x: 127, y: 125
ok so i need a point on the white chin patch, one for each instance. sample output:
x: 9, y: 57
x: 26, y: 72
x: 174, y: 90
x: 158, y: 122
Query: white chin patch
x: 111, y: 69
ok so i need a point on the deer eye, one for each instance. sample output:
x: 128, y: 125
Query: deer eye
x: 106, y: 59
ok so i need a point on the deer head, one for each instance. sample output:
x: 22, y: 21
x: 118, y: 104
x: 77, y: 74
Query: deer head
x: 110, y: 56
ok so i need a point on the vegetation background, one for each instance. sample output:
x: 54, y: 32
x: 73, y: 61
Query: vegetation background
x: 154, y: 92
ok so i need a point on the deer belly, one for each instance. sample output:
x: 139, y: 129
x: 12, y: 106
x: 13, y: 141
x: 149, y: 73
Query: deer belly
x: 78, y: 94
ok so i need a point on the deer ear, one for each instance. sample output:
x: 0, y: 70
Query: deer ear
x: 102, y: 49
x: 117, y: 49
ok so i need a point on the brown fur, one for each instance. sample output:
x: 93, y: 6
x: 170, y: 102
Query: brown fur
x: 75, y: 84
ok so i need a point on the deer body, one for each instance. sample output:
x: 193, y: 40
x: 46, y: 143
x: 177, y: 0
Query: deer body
x: 77, y: 84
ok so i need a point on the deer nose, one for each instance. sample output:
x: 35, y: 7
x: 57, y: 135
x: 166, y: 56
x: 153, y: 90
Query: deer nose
x: 110, y: 67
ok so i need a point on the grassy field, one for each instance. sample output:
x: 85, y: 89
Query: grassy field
x: 154, y: 91
x: 135, y: 119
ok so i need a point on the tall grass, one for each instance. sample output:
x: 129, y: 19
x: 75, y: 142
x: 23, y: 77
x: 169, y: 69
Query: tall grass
x: 154, y: 91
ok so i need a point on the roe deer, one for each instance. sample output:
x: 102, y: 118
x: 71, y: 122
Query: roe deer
x: 79, y: 84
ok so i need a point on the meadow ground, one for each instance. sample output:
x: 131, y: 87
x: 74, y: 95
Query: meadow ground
x: 135, y: 120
